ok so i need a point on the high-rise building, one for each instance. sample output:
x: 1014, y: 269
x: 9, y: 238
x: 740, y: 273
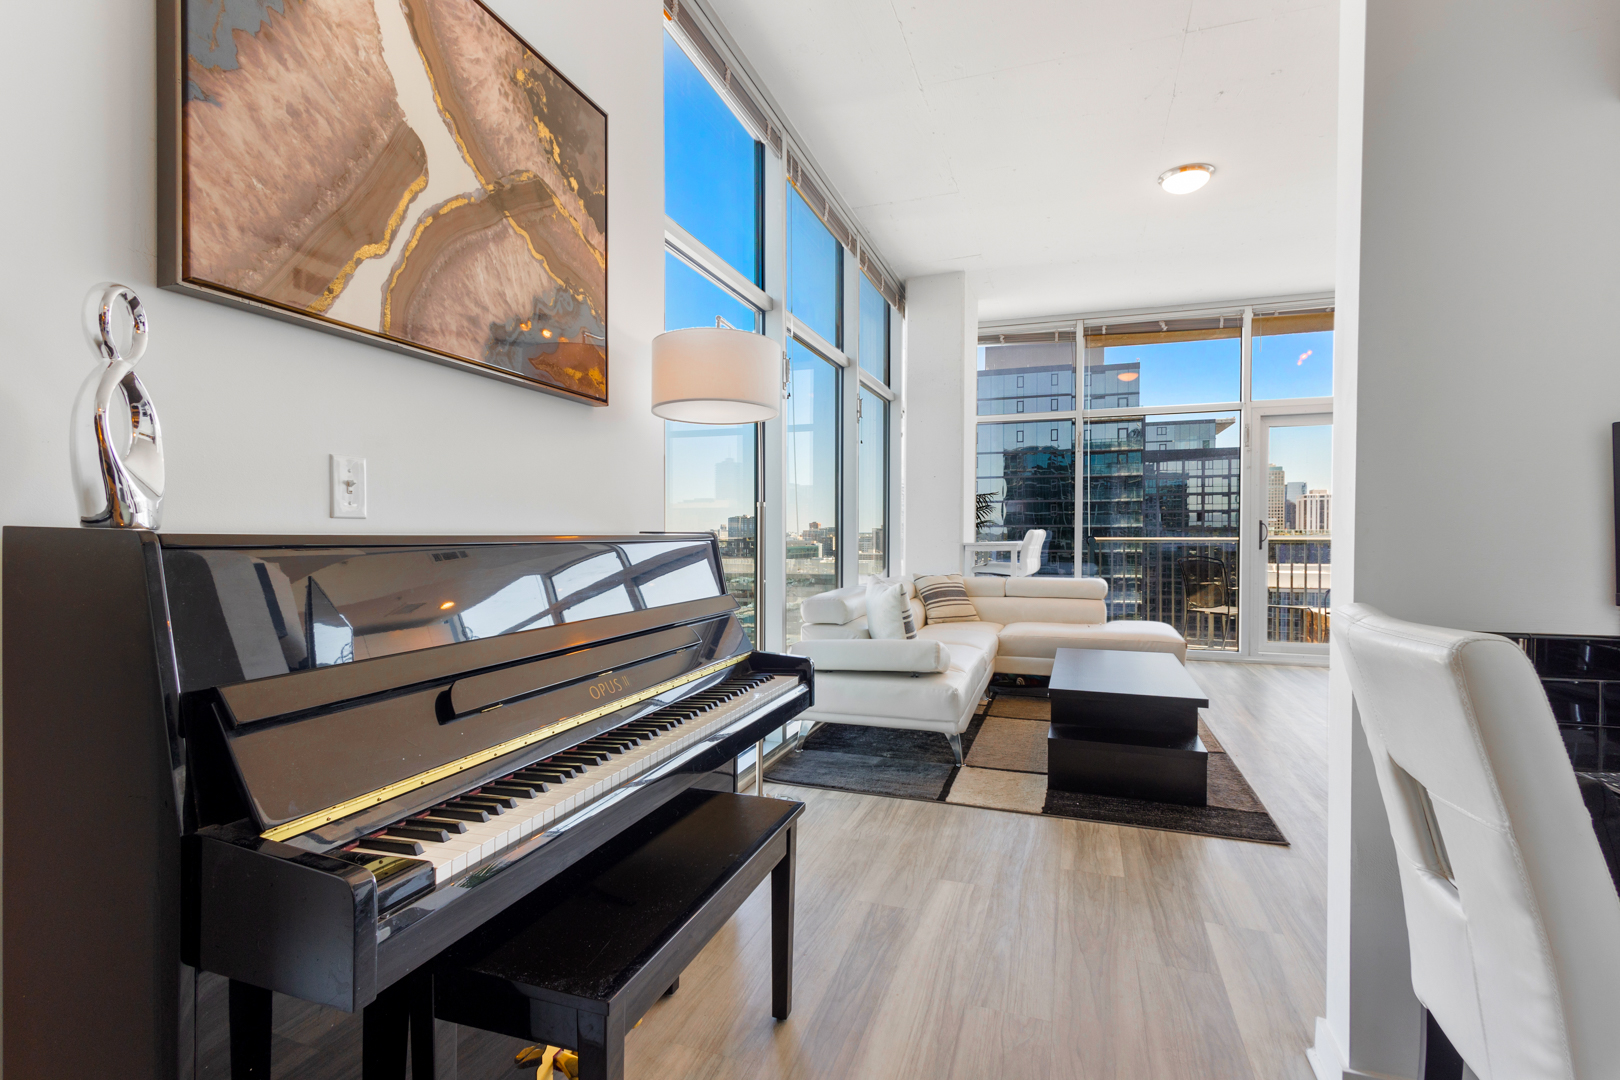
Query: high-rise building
x: 1316, y: 511
x: 1153, y: 479
x: 1029, y: 377
x: 1293, y: 492
x: 1276, y: 498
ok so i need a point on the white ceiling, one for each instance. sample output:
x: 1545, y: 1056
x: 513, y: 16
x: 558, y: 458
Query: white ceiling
x: 1022, y: 141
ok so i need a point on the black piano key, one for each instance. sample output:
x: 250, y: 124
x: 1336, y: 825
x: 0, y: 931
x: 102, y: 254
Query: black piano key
x: 585, y: 758
x: 480, y: 799
x: 418, y: 831
x: 605, y: 746
x: 553, y: 765
x: 449, y: 825
x: 543, y: 776
x: 391, y: 845
x: 515, y: 790
x: 462, y: 813
x: 459, y: 807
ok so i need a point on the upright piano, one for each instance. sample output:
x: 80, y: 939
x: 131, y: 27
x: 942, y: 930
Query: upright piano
x: 303, y: 766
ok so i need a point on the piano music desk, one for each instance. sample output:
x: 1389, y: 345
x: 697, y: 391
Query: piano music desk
x: 582, y: 959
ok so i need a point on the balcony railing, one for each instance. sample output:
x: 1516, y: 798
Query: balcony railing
x: 1192, y: 584
x: 1299, y: 585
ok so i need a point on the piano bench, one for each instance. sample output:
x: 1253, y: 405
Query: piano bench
x: 579, y: 961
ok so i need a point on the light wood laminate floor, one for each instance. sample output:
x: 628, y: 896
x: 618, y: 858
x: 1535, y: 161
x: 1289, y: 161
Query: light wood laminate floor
x: 951, y: 943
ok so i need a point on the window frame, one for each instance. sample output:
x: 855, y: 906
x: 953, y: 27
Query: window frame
x: 1247, y: 408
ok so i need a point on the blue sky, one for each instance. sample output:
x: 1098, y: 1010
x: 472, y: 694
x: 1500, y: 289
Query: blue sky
x: 709, y: 168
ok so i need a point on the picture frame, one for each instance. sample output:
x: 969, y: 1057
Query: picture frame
x: 410, y: 174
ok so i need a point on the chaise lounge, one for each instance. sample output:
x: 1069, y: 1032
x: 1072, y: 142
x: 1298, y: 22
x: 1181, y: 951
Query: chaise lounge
x: 933, y: 682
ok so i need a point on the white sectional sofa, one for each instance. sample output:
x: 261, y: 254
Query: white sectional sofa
x: 934, y: 682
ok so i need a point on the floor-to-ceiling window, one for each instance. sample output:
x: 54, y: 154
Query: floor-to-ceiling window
x: 712, y: 190
x: 812, y: 459
x: 756, y: 240
x: 1025, y: 474
x: 873, y: 408
x: 1200, y: 490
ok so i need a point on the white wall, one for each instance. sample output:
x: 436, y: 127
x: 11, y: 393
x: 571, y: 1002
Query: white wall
x: 1476, y: 379
x: 942, y: 326
x: 1489, y: 373
x: 251, y: 407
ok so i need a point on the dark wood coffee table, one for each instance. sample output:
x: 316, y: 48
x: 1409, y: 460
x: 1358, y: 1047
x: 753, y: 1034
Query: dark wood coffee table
x: 1126, y: 724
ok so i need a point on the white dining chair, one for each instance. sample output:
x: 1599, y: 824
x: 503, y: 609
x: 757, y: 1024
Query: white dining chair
x: 1512, y: 918
x: 1026, y: 555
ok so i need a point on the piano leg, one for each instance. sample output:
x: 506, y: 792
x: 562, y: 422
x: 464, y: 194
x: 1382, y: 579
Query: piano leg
x: 385, y: 1033
x: 426, y: 1050
x: 250, y: 1019
x: 782, y: 931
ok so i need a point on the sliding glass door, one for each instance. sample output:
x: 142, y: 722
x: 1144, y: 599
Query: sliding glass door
x: 1293, y: 528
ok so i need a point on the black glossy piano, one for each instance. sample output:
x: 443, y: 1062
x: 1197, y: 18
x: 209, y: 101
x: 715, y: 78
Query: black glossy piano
x: 248, y: 770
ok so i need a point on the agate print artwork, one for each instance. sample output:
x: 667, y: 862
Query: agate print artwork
x: 409, y: 171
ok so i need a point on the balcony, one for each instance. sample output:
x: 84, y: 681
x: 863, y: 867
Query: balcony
x: 1192, y: 584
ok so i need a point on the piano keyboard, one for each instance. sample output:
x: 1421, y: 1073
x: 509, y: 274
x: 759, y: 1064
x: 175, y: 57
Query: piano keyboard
x: 464, y: 831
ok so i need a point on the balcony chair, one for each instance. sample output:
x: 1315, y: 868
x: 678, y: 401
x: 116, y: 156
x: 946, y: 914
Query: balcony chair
x: 1208, y: 590
x: 1511, y: 916
x: 1026, y: 555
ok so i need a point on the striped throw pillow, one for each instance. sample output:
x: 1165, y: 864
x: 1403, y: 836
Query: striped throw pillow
x: 945, y: 600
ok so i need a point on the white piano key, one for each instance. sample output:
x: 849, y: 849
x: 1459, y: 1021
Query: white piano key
x: 484, y: 839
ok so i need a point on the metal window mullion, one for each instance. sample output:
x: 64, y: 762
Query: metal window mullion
x: 693, y: 250
x: 874, y: 384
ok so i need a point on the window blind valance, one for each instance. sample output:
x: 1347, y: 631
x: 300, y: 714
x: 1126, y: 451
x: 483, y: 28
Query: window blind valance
x: 1163, y: 331
x: 1294, y: 322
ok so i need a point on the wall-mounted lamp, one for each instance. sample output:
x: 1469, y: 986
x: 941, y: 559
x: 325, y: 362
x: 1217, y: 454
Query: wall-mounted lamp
x: 716, y: 375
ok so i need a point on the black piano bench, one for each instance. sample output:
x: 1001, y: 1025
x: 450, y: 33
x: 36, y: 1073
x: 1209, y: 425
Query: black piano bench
x: 578, y: 962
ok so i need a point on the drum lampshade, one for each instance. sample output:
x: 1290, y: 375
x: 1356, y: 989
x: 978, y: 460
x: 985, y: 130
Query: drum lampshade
x: 714, y: 375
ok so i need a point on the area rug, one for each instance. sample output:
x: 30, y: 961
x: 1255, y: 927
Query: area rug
x: 1005, y: 750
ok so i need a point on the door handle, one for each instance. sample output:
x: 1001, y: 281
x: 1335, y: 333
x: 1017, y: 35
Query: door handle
x: 1265, y: 534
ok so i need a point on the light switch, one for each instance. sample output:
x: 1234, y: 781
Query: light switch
x: 348, y: 487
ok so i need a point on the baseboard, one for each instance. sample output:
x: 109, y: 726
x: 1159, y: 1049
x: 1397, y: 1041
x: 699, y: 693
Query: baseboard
x: 1327, y: 1059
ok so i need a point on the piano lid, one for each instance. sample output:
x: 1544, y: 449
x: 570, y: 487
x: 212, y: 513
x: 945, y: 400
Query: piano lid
x: 246, y: 613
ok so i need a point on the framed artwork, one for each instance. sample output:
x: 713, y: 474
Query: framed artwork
x: 408, y: 173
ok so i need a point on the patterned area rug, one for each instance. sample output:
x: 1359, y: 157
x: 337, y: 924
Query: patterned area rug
x: 1005, y: 748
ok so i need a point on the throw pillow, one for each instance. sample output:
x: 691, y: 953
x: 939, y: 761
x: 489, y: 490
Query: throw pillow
x: 888, y: 615
x: 945, y: 600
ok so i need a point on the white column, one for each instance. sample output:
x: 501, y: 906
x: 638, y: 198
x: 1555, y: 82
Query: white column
x: 1373, y: 1024
x: 942, y: 326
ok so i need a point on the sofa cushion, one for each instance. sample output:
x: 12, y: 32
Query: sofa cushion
x: 880, y: 654
x: 888, y: 612
x: 945, y: 599
x: 943, y: 699
x: 836, y: 607
x: 980, y: 635
x: 907, y: 581
x: 984, y: 585
x: 1063, y: 588
x: 835, y: 631
x: 1041, y: 640
x: 1014, y: 609
x: 944, y: 702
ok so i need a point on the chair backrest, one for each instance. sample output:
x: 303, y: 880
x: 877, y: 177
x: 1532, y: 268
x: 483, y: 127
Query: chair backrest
x: 1512, y: 918
x: 1204, y: 581
x: 1029, y: 556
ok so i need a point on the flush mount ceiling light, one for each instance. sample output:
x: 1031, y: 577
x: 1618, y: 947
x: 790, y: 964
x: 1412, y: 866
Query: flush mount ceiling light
x: 1128, y: 376
x: 716, y: 376
x: 1186, y: 179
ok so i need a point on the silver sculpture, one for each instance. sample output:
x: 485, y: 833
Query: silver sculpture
x: 117, y: 446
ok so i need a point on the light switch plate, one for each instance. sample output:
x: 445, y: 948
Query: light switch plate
x: 348, y: 487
